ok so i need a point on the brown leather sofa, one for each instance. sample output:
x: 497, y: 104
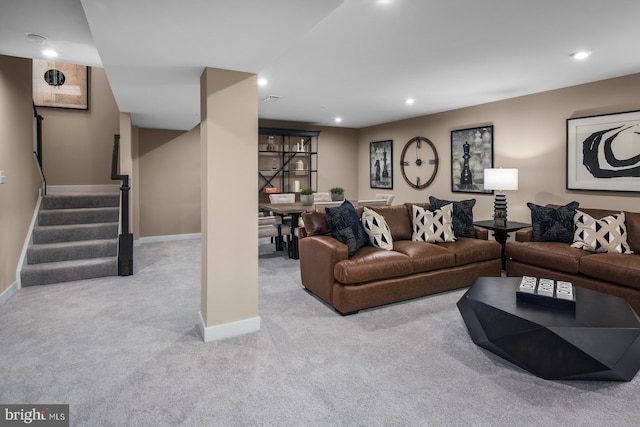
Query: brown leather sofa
x: 373, y: 276
x: 611, y: 273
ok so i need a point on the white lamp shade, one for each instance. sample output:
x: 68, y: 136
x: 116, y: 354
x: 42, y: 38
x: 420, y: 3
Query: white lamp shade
x: 501, y: 179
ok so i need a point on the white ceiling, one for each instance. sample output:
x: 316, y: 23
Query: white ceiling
x: 357, y: 59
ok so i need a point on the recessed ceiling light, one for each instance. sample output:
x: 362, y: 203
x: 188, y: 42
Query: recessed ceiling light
x: 50, y: 53
x: 409, y: 101
x: 338, y: 119
x: 36, y: 38
x: 262, y: 82
x: 583, y: 54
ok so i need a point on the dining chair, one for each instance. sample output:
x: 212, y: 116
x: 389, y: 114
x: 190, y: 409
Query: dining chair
x: 271, y: 226
x: 388, y: 197
x: 372, y: 202
x: 282, y: 198
x: 328, y: 204
x: 321, y: 197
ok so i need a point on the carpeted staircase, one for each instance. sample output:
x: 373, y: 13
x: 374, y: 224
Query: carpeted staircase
x: 76, y: 237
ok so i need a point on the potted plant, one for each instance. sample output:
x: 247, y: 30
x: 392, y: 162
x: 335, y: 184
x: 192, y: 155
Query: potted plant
x: 337, y: 194
x: 500, y: 218
x: 306, y: 196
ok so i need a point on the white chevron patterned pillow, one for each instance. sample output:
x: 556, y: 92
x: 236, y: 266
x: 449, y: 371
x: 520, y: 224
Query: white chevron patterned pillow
x: 433, y: 227
x: 608, y: 234
x: 377, y: 229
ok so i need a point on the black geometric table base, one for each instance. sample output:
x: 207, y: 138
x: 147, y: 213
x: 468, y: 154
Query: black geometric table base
x: 600, y: 340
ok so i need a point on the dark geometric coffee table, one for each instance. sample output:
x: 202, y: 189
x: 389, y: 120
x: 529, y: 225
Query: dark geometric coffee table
x: 599, y: 340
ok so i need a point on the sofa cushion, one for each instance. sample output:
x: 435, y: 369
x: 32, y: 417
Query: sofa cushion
x: 433, y: 226
x: 315, y: 223
x: 425, y: 256
x: 377, y: 229
x: 553, y: 224
x: 621, y: 269
x: 462, y: 215
x: 467, y: 250
x: 398, y: 219
x: 552, y: 255
x: 344, y: 223
x: 370, y: 264
x: 632, y: 220
x: 608, y: 234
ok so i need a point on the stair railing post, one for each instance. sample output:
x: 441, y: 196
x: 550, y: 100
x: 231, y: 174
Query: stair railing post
x: 125, y: 239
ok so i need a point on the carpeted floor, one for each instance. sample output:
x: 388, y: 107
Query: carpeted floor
x: 125, y: 352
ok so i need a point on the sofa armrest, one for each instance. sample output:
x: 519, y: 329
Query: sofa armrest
x: 524, y: 235
x: 318, y: 256
x: 481, y: 233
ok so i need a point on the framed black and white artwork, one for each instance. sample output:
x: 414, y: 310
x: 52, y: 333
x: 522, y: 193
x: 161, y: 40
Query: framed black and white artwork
x: 603, y: 152
x: 471, y: 154
x: 381, y: 164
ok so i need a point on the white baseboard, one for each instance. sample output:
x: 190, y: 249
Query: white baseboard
x: 167, y: 238
x: 22, y: 261
x: 58, y: 189
x: 228, y: 330
x: 8, y: 293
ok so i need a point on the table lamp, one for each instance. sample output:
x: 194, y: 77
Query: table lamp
x: 500, y: 179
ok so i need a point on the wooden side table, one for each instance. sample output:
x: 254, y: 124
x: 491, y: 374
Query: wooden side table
x: 501, y: 234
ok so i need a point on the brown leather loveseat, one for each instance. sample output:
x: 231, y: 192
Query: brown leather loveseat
x: 612, y: 273
x: 374, y: 276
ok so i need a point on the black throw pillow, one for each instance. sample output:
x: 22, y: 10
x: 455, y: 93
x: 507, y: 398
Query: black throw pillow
x: 551, y: 224
x: 346, y: 227
x: 462, y: 215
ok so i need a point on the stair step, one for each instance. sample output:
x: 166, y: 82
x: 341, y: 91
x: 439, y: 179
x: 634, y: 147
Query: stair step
x: 78, y: 216
x: 67, y: 251
x: 68, y: 233
x: 80, y: 200
x: 68, y: 271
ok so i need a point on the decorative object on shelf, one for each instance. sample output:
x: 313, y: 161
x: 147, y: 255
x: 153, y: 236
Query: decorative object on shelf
x: 471, y: 154
x: 419, y: 162
x: 381, y: 164
x: 306, y: 196
x: 299, y: 165
x: 271, y: 146
x: 603, y: 152
x: 500, y: 179
x: 61, y: 85
x: 337, y: 194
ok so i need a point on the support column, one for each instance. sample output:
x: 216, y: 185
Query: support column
x: 229, y: 254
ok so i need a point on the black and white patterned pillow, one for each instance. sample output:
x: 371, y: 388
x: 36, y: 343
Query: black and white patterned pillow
x: 433, y: 227
x: 346, y: 227
x: 462, y: 215
x: 608, y: 234
x: 551, y: 224
x: 377, y: 229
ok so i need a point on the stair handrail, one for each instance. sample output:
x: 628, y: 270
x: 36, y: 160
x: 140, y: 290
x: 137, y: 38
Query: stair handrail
x: 125, y: 239
x: 38, y: 153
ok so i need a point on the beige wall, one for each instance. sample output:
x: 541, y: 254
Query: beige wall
x: 19, y: 193
x: 529, y: 134
x: 77, y: 144
x: 169, y: 171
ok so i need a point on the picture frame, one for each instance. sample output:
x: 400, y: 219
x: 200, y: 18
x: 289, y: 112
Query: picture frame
x: 471, y: 154
x: 603, y: 152
x: 381, y: 164
x: 60, y: 85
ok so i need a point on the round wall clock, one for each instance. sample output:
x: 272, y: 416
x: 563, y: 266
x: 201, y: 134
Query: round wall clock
x: 419, y: 162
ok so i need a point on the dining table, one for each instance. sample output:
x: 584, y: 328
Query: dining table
x: 294, y: 210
